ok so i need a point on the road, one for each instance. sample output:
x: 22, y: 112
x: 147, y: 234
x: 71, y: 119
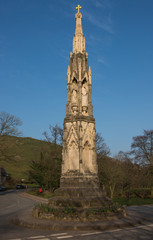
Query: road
x: 12, y: 203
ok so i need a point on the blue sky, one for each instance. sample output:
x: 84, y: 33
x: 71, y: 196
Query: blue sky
x: 35, y: 42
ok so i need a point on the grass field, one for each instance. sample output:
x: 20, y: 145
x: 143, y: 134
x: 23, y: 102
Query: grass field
x: 19, y: 152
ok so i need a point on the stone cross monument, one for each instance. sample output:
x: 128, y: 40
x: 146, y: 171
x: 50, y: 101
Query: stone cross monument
x: 79, y: 184
x: 79, y: 164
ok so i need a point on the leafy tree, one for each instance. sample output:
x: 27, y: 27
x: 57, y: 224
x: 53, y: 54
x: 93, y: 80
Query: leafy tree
x: 46, y: 171
x: 9, y: 125
x: 142, y: 148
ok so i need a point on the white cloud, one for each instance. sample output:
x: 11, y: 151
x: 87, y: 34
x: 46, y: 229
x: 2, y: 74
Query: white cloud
x: 102, y: 3
x: 94, y: 38
x: 64, y: 55
x: 99, y: 4
x: 104, y: 23
x: 101, y: 60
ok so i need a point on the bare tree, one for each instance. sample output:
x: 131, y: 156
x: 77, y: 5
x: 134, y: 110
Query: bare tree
x: 55, y: 135
x: 9, y: 124
x: 123, y: 156
x: 142, y: 148
x: 110, y: 174
x: 102, y: 148
x: 8, y: 127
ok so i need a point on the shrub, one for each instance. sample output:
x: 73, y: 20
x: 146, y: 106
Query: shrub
x: 138, y: 193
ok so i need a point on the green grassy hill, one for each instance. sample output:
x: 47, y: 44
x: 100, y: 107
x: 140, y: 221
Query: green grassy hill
x: 16, y: 153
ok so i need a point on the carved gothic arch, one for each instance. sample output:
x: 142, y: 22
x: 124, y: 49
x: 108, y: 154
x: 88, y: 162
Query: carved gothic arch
x: 74, y: 80
x: 73, y: 143
x: 72, y: 136
x: 85, y: 77
x: 87, y: 141
x: 73, y: 77
x: 74, y: 90
x: 84, y: 128
x: 86, y: 136
x: 87, y: 144
x: 84, y: 81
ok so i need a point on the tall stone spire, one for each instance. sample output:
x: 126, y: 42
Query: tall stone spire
x: 79, y: 39
x: 79, y: 183
x: 79, y: 135
x: 79, y: 76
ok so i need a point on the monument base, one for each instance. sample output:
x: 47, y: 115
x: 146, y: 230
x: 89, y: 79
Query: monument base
x: 77, y: 215
x: 80, y: 192
x: 79, y: 199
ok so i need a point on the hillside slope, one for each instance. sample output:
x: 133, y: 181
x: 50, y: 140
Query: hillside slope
x: 16, y: 153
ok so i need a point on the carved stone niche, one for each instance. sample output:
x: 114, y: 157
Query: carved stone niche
x: 75, y: 109
x: 84, y: 110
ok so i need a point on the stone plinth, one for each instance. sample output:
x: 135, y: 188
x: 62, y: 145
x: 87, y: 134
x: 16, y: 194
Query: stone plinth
x: 80, y: 192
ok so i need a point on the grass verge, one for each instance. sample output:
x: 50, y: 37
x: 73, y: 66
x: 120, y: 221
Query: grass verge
x: 44, y: 194
x: 119, y: 201
x: 133, y: 201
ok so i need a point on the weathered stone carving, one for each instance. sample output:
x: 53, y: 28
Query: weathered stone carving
x: 79, y: 137
x: 79, y: 183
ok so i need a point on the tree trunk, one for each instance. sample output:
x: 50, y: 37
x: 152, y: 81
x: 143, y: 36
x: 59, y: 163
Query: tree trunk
x: 112, y: 188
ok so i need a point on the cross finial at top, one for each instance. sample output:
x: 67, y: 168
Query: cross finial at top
x: 78, y: 7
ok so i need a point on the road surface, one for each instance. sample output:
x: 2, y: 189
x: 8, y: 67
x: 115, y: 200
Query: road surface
x: 12, y: 203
